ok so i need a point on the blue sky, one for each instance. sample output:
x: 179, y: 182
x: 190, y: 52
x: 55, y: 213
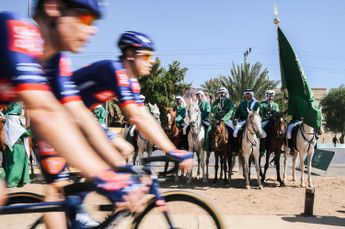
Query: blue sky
x: 207, y: 36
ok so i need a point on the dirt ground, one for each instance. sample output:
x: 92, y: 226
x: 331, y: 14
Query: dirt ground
x: 233, y: 199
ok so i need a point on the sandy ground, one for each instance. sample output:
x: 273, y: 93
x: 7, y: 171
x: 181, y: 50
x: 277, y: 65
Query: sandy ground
x: 233, y: 199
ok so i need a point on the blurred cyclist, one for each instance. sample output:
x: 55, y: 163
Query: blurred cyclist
x: 106, y: 79
x: 31, y: 61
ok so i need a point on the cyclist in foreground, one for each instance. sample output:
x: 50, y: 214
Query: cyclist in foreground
x: 31, y: 62
x: 106, y: 79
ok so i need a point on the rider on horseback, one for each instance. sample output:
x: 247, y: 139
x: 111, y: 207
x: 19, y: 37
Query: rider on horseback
x: 267, y: 110
x: 241, y: 114
x: 222, y: 107
x: 181, y: 114
x: 205, y: 109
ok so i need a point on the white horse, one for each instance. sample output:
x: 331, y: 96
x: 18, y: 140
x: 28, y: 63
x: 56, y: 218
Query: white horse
x: 250, y: 145
x: 305, y: 143
x: 196, y: 138
x: 143, y: 144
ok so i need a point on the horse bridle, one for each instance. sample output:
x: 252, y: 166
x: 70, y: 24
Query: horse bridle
x: 311, y: 141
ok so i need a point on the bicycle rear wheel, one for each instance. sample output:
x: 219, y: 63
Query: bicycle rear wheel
x: 24, y: 220
x: 185, y: 209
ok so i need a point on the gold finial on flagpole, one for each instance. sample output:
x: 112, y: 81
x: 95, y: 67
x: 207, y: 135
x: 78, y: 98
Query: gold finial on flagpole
x: 275, y: 12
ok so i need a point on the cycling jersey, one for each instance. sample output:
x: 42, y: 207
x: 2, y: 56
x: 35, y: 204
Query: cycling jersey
x: 105, y: 80
x: 21, y: 45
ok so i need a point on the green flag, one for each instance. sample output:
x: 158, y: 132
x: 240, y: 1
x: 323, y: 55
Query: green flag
x: 301, y: 99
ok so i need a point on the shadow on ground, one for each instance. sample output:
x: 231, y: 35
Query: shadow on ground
x: 323, y: 220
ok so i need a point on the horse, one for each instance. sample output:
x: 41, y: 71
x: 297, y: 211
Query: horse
x: 250, y: 145
x: 275, y: 140
x: 305, y: 141
x: 175, y: 133
x: 143, y: 145
x: 196, y: 138
x: 219, y: 141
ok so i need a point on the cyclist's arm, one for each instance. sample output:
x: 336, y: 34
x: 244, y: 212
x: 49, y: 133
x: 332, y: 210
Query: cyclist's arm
x: 94, y: 133
x: 50, y: 122
x: 148, y: 126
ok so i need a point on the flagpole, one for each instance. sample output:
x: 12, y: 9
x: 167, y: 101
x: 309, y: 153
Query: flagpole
x: 275, y: 12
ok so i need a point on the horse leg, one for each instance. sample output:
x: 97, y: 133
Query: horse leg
x: 257, y: 167
x: 285, y: 164
x: 268, y: 154
x: 277, y: 164
x: 310, y: 156
x: 198, y: 172
x: 301, y: 165
x: 246, y: 170
x: 225, y: 168
x: 221, y: 166
x: 202, y: 157
x: 207, y: 163
x: 230, y: 166
x: 294, y: 158
x: 216, y: 156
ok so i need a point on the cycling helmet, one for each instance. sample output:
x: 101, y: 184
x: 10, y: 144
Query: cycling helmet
x: 93, y: 6
x: 136, y: 40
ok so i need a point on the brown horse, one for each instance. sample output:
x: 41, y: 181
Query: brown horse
x: 173, y: 131
x: 219, y: 141
x: 274, y: 141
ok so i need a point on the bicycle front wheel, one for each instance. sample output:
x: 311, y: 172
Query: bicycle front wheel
x: 22, y: 220
x: 186, y: 210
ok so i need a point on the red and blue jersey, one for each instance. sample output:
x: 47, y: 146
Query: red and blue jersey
x: 105, y: 80
x: 21, y: 47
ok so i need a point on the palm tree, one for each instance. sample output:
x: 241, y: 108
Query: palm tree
x: 211, y: 86
x: 245, y: 76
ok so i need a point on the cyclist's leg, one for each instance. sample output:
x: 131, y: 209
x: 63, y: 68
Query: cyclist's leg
x: 54, y: 171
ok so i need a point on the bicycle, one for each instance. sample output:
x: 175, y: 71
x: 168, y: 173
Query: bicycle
x: 172, y: 205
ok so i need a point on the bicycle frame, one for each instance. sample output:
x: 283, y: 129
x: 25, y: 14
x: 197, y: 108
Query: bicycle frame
x: 72, y: 203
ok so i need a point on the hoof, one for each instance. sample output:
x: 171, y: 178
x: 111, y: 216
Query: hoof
x: 282, y: 184
x: 261, y: 187
x: 247, y: 187
x: 302, y: 185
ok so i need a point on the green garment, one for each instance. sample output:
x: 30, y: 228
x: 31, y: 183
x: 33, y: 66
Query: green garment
x: 301, y: 99
x: 16, y: 163
x: 223, y: 109
x: 205, y: 108
x: 242, y: 112
x: 14, y: 108
x: 101, y: 114
x: 268, y: 109
x: 180, y: 115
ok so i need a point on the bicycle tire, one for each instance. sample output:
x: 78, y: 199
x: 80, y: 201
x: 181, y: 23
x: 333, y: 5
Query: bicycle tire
x: 182, y: 196
x: 25, y: 198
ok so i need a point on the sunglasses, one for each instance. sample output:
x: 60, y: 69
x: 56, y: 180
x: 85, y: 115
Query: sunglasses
x: 87, y: 18
x: 145, y: 55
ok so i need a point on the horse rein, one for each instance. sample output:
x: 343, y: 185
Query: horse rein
x: 311, y: 141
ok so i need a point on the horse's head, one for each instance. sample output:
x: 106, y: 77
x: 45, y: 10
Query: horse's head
x: 219, y: 134
x: 194, y: 116
x: 155, y: 112
x: 279, y: 124
x: 254, y: 123
x: 169, y: 118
